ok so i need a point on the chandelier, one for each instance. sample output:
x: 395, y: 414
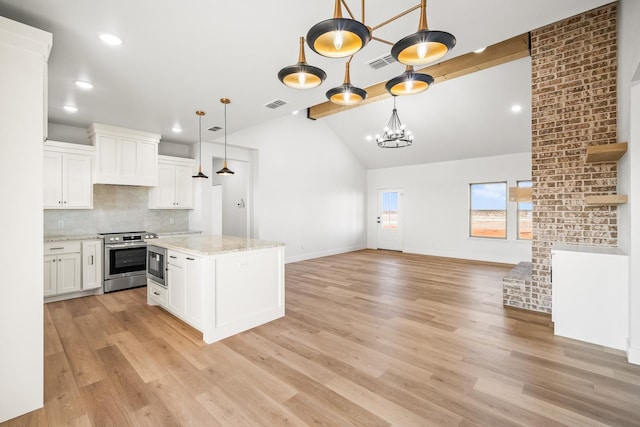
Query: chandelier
x: 395, y: 134
x: 341, y: 37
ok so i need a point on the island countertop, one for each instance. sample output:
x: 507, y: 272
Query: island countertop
x: 212, y: 244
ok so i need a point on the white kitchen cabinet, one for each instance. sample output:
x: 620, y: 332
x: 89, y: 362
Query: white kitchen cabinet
x: 184, y: 283
x: 175, y: 184
x: 62, y: 268
x: 91, y: 264
x: 125, y: 156
x: 590, y: 294
x: 68, y: 182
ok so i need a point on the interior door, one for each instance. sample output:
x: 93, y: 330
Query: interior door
x: 390, y: 219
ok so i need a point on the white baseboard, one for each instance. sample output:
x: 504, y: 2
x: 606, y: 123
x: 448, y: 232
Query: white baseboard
x: 633, y: 354
x: 320, y: 254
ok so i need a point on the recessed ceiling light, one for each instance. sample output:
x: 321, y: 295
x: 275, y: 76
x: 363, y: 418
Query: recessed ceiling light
x: 516, y: 108
x: 295, y: 112
x: 83, y: 84
x: 70, y: 108
x: 368, y: 138
x: 176, y: 129
x: 479, y: 50
x: 110, y: 39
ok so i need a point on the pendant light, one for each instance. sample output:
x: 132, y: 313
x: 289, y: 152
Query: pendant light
x: 425, y: 46
x: 409, y: 83
x: 338, y: 37
x: 346, y: 94
x: 395, y: 134
x: 225, y: 170
x: 200, y: 175
x: 302, y: 75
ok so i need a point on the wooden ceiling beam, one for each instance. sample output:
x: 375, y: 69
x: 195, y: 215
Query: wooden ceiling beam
x: 500, y: 53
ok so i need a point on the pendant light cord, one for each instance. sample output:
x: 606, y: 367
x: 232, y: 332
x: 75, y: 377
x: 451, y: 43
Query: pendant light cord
x: 200, y: 140
x: 225, y: 134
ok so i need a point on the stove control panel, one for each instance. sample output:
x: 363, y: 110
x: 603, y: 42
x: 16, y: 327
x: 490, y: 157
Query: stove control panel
x: 150, y: 236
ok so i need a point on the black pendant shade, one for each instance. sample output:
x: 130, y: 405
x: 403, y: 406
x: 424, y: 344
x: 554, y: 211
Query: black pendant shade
x: 409, y: 83
x: 346, y: 94
x: 225, y: 170
x: 302, y: 75
x: 424, y: 46
x: 338, y: 37
x: 200, y: 175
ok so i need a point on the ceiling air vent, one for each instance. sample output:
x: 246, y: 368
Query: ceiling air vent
x: 383, y: 61
x: 215, y: 128
x: 276, y: 104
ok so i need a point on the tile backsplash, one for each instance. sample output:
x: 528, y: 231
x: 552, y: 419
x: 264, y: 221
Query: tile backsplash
x: 115, y: 208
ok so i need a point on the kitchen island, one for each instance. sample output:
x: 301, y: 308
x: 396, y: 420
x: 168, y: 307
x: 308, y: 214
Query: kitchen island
x: 221, y: 285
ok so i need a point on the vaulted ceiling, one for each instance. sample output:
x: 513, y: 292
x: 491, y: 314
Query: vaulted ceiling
x: 180, y: 56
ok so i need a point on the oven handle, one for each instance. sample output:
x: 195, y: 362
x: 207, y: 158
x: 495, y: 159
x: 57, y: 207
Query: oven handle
x: 124, y: 245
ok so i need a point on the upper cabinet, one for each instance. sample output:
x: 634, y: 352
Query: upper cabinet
x: 175, y: 184
x: 67, y: 176
x: 125, y: 156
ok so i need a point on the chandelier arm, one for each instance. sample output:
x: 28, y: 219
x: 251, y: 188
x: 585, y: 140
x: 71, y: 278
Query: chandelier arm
x: 382, y: 41
x: 400, y: 15
x: 346, y: 6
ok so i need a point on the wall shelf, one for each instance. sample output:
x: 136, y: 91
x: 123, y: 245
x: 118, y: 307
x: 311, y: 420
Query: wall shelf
x: 606, y: 152
x: 607, y: 199
x: 520, y: 194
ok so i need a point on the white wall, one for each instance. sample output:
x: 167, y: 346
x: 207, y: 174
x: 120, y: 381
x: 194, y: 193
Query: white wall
x: 235, y: 188
x: 436, y: 207
x: 309, y: 187
x: 629, y: 165
x: 24, y: 52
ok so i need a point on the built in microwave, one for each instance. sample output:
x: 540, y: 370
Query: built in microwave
x: 157, y: 265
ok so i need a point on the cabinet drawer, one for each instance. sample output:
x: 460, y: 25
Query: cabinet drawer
x: 53, y: 248
x: 176, y: 258
x: 157, y: 293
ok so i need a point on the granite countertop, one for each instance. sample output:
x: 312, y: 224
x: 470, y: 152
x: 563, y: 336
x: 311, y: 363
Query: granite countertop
x: 213, y: 245
x: 177, y: 233
x: 68, y: 237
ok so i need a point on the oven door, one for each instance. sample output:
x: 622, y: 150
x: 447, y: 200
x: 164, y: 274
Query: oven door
x: 156, y: 264
x: 125, y: 259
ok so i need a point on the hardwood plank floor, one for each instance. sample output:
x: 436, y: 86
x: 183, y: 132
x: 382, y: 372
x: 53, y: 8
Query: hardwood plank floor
x: 370, y: 338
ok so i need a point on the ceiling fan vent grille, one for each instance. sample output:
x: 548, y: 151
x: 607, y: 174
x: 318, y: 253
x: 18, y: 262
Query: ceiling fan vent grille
x: 383, y: 61
x: 276, y: 104
x: 215, y: 128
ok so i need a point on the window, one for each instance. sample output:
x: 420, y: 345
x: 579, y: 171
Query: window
x: 525, y: 215
x: 389, y: 209
x: 488, y: 214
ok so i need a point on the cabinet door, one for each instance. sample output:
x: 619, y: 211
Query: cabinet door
x: 52, y: 170
x: 107, y: 155
x: 91, y: 264
x: 165, y: 191
x: 184, y: 187
x: 193, y: 284
x: 176, y: 285
x: 50, y: 276
x: 128, y: 157
x: 147, y: 166
x: 76, y: 180
x: 68, y: 273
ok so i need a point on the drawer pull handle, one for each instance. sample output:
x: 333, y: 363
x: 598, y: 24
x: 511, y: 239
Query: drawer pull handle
x: 91, y: 262
x: 174, y: 257
x: 156, y: 293
x: 57, y: 249
x: 191, y: 259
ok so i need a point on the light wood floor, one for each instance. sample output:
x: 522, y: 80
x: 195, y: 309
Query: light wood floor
x: 370, y: 338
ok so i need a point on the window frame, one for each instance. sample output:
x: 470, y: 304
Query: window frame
x: 470, y: 220
x: 518, y: 210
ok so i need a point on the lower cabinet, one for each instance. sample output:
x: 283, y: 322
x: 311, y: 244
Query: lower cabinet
x: 184, y: 282
x: 72, y: 266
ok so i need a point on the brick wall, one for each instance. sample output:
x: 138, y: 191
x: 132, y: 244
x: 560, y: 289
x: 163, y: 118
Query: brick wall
x: 574, y: 105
